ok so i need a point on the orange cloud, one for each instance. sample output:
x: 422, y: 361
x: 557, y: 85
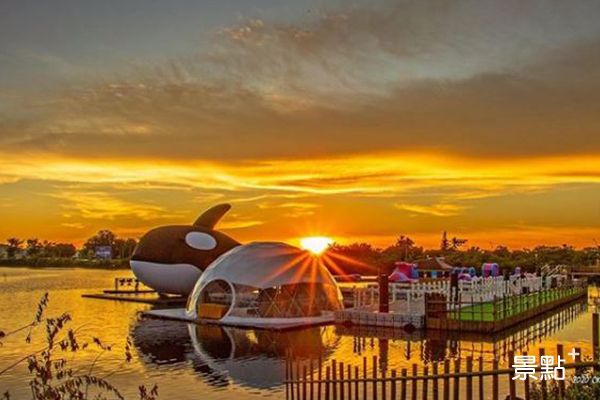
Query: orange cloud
x: 438, y: 210
x: 99, y: 205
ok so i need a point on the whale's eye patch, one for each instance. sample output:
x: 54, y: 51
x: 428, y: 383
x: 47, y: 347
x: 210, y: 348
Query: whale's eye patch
x: 200, y: 241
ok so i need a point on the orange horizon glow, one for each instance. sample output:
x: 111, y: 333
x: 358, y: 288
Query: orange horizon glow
x: 362, y: 198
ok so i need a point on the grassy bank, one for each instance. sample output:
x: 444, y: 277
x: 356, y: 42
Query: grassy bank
x: 47, y: 262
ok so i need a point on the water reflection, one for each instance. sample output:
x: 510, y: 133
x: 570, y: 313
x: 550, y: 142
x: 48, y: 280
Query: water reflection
x: 168, y: 343
x: 436, y: 346
x: 253, y: 358
x: 162, y: 342
x: 222, y: 356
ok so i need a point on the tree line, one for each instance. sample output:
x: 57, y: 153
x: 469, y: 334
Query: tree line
x: 365, y: 259
x: 361, y: 258
x: 35, y: 248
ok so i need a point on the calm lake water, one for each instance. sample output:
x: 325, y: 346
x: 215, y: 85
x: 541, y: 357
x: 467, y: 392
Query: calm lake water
x: 190, y: 361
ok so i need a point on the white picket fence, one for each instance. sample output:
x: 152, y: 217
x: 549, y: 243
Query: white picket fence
x: 478, y: 290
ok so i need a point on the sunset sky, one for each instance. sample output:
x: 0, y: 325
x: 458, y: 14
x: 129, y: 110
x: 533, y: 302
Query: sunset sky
x: 356, y: 120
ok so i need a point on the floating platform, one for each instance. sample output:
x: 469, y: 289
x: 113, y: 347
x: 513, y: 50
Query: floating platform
x: 437, y: 311
x: 144, y: 297
x: 279, y: 324
x: 176, y: 314
x: 380, y: 332
x: 373, y: 318
x: 131, y: 290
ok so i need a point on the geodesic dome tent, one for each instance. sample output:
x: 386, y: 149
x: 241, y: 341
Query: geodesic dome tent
x: 267, y: 285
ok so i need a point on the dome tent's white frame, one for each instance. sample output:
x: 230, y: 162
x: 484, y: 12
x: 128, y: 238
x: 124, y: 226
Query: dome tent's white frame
x: 265, y: 265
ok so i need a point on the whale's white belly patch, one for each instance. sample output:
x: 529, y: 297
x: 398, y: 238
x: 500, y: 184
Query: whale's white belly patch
x: 166, y: 278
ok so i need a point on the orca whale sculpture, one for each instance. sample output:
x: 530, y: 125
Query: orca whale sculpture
x: 170, y: 259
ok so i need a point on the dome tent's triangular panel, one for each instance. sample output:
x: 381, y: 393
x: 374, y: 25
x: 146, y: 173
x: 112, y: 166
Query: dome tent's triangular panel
x: 265, y: 284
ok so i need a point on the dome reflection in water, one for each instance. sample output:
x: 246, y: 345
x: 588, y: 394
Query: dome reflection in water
x: 224, y: 355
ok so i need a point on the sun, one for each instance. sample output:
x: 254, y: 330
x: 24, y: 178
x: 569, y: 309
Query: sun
x: 316, y: 244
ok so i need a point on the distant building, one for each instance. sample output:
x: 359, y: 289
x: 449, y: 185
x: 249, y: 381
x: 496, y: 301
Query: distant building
x: 434, y: 267
x: 103, y: 252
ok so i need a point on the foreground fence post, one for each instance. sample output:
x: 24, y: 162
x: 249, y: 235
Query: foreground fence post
x: 495, y: 380
x: 334, y: 377
x: 435, y: 381
x: 298, y: 378
x: 425, y: 382
x: 446, y: 380
x: 511, y: 381
x: 328, y: 380
x: 341, y: 366
x: 312, y: 378
x: 481, y: 395
x: 544, y: 383
x: 320, y: 376
x: 526, y: 383
x: 349, y: 369
x: 365, y: 377
x: 304, y: 378
x: 289, y: 372
x: 560, y: 351
x: 469, y: 378
x: 415, y: 383
x: 457, y: 380
x: 596, y: 339
x: 374, y: 377
x: 403, y: 384
x: 356, y: 382
x: 384, y: 294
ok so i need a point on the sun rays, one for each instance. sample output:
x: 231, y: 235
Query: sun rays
x: 316, y: 244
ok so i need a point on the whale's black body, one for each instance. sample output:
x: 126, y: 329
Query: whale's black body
x: 170, y: 259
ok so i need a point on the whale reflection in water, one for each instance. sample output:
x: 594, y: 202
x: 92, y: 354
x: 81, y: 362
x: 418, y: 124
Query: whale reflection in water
x: 224, y: 355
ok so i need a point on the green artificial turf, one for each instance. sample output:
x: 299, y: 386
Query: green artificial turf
x: 506, y: 308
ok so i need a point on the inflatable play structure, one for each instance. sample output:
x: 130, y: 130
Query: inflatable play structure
x: 170, y: 259
x: 404, y: 272
x: 490, y: 270
x: 465, y: 273
x: 266, y: 284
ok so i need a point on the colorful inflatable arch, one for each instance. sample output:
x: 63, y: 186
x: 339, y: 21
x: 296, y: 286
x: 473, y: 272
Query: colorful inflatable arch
x: 490, y: 270
x: 404, y: 272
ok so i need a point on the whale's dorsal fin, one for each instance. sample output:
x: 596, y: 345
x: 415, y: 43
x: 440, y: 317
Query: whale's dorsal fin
x: 210, y: 217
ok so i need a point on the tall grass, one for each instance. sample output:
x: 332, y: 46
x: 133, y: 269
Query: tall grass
x: 54, y: 376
